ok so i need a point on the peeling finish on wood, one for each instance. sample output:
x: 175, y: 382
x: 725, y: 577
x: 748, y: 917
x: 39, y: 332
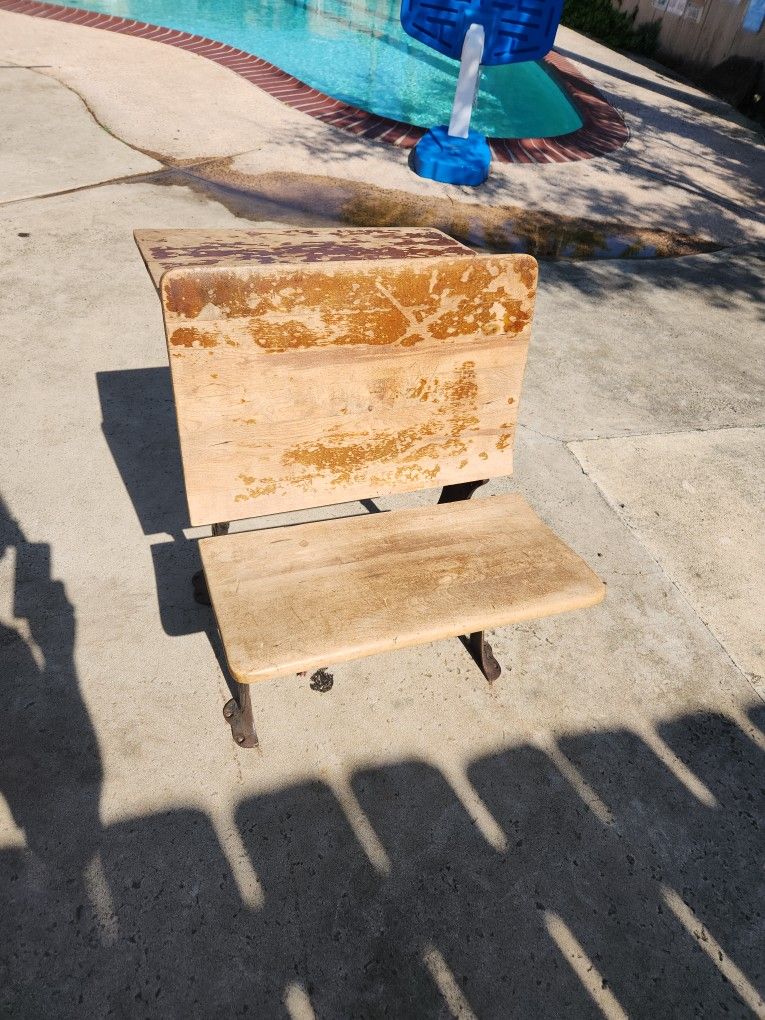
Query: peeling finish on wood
x: 337, y: 590
x: 302, y: 385
x: 169, y: 249
x: 342, y: 453
x: 372, y: 307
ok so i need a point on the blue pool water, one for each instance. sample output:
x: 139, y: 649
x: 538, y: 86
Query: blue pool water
x: 357, y: 51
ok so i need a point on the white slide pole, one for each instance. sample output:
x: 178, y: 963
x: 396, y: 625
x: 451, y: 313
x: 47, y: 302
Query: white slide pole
x: 467, y: 83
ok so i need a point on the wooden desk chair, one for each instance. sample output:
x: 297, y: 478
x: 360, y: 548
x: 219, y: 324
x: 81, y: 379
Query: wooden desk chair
x: 300, y: 384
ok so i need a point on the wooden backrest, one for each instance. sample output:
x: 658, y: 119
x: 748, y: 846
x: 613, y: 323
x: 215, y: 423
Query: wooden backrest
x: 303, y: 385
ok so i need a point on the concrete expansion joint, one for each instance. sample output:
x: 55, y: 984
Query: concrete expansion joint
x: 126, y: 179
x: 166, y: 162
x: 748, y: 678
x: 544, y: 435
x: 198, y: 162
x: 652, y: 433
x: 167, y: 165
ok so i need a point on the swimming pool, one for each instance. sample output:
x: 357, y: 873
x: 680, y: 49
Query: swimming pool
x: 356, y: 51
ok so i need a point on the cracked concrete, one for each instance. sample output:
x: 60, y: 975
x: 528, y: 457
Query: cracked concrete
x: 55, y: 148
x: 583, y: 838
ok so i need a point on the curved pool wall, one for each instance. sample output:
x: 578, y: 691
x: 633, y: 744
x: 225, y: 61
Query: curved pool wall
x: 602, y: 128
x: 357, y: 51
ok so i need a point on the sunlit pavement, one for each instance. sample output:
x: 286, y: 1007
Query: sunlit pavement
x: 583, y: 838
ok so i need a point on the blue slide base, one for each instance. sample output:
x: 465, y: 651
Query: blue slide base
x: 441, y: 157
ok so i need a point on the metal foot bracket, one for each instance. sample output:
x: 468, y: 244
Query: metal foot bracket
x: 479, y: 647
x: 238, y: 714
x: 481, y: 651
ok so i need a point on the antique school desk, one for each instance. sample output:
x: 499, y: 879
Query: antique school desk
x: 312, y: 367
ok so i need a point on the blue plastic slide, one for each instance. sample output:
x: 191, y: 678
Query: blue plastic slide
x: 475, y: 32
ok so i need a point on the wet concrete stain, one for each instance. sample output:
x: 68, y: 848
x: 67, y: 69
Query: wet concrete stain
x: 323, y: 201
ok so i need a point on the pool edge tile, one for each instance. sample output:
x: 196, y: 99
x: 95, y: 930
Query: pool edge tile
x: 603, y: 128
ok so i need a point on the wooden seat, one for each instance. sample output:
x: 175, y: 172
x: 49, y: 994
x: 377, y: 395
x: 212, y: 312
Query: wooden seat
x: 294, y: 599
x: 316, y: 367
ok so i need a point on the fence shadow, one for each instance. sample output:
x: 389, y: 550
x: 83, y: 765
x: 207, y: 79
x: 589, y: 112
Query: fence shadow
x: 642, y: 897
x: 618, y: 878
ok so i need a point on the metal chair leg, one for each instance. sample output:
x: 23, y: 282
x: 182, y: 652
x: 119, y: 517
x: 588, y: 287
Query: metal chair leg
x: 238, y: 714
x: 477, y: 644
x: 481, y: 651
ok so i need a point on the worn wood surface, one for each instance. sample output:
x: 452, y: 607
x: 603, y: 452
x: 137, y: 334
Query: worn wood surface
x: 302, y: 386
x: 169, y: 249
x: 291, y: 599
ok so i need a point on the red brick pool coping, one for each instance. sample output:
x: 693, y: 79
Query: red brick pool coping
x: 602, y: 130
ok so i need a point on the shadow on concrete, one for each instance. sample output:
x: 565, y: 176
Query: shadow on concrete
x: 139, y: 425
x: 606, y: 876
x: 138, y: 422
x: 703, y: 102
x: 733, y: 281
x: 50, y: 776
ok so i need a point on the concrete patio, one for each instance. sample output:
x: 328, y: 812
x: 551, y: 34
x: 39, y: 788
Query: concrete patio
x: 584, y: 837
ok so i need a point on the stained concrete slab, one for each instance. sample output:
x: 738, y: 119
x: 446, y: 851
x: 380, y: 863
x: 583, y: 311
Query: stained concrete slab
x: 51, y: 142
x: 113, y: 418
x: 697, y: 501
x: 692, y: 162
x: 146, y: 858
x: 579, y: 839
